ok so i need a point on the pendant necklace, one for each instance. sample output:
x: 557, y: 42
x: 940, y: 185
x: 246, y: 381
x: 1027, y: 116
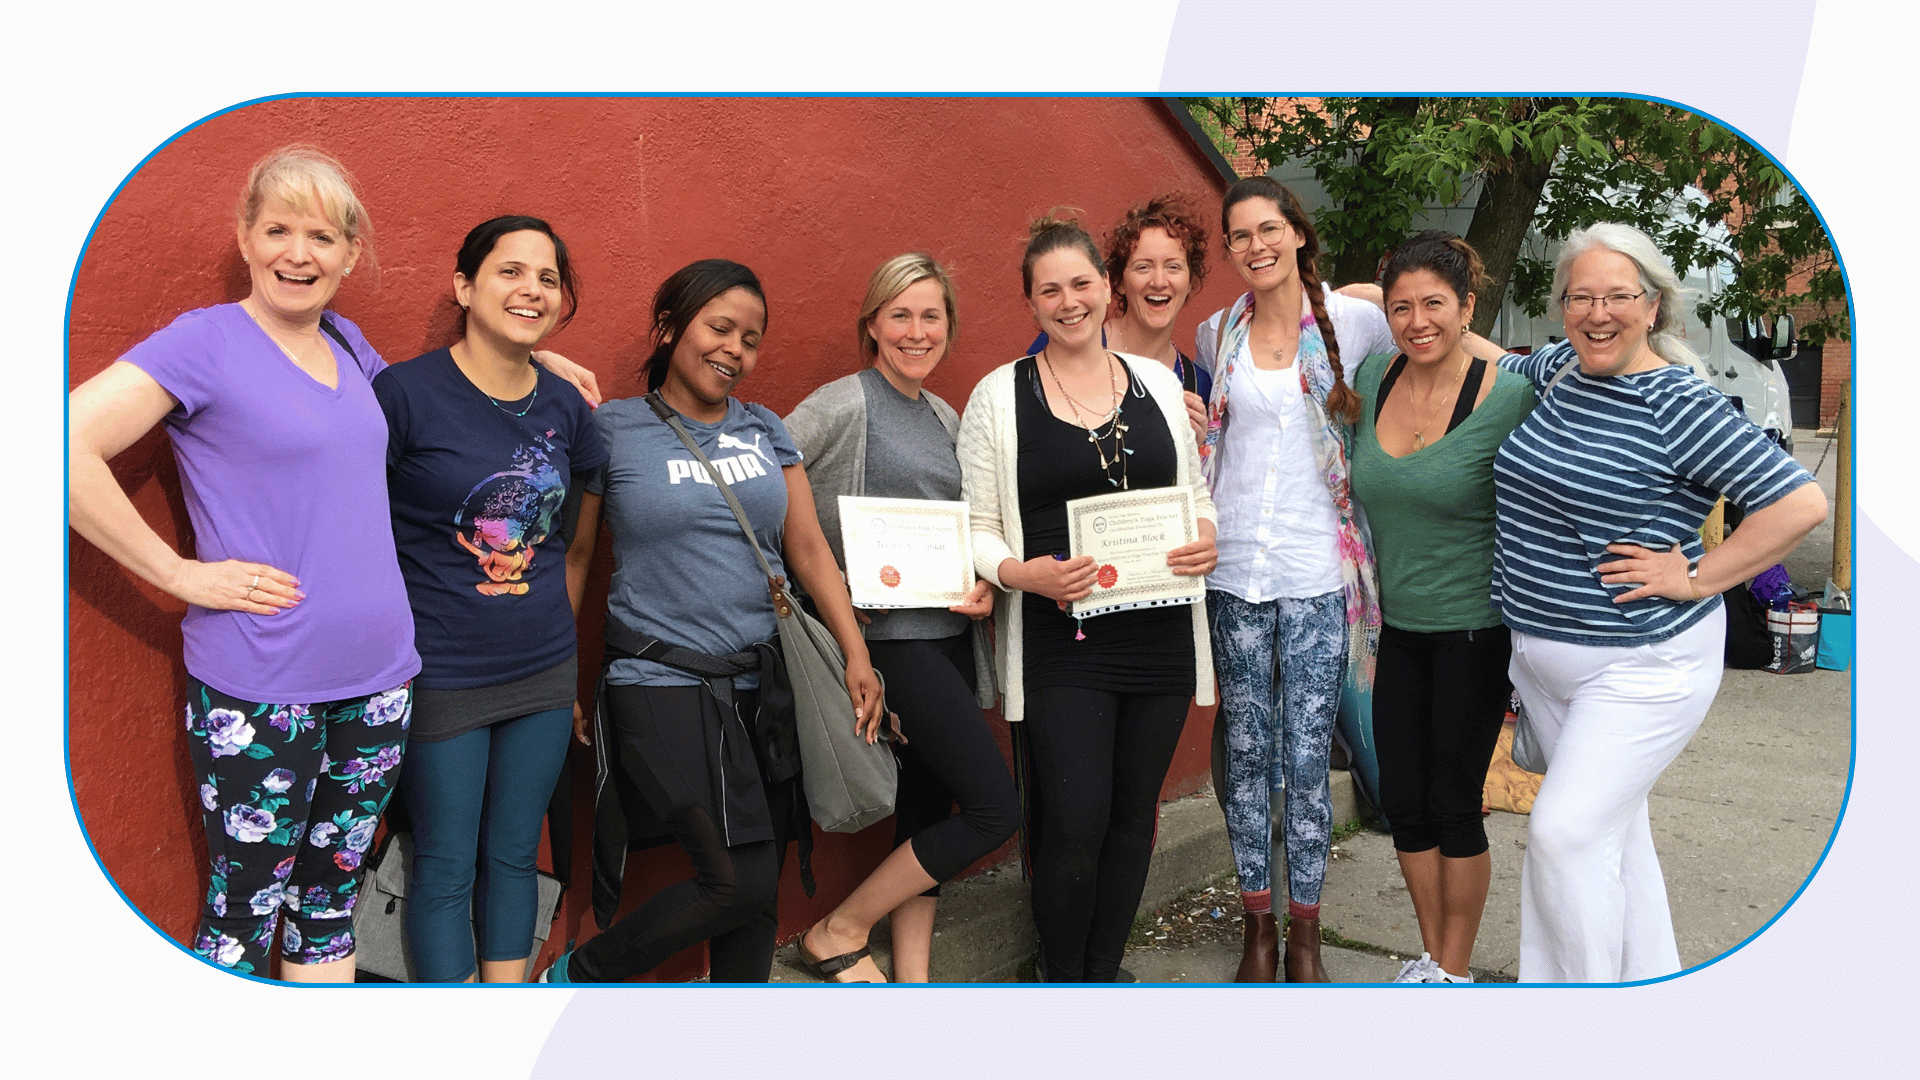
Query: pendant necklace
x: 1116, y: 430
x: 1419, y: 436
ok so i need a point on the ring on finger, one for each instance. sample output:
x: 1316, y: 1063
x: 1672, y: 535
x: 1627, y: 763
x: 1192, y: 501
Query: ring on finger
x: 255, y: 583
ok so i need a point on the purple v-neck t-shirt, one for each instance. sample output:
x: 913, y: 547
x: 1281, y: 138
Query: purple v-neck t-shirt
x: 281, y: 469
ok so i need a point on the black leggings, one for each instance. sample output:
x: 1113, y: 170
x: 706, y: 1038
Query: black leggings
x: 730, y: 902
x: 1438, y: 700
x: 1099, y: 759
x: 949, y: 756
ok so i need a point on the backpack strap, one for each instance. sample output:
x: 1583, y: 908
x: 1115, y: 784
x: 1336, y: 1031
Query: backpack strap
x: 332, y: 331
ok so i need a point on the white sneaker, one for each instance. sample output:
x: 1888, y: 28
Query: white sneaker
x: 1423, y: 970
x: 1442, y: 975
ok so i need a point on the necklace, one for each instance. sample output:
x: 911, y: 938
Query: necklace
x: 1116, y: 427
x: 270, y: 337
x: 531, y: 398
x: 1419, y: 436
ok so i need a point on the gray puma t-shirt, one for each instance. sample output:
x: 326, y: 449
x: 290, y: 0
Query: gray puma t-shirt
x: 682, y: 570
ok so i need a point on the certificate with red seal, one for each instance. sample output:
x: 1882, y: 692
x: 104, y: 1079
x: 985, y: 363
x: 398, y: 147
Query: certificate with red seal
x: 1129, y: 533
x: 906, y: 553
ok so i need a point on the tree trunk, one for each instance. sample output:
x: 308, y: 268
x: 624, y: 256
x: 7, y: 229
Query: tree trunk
x: 1507, y: 202
x: 1356, y: 262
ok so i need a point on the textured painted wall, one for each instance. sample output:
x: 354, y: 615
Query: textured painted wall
x: 811, y: 193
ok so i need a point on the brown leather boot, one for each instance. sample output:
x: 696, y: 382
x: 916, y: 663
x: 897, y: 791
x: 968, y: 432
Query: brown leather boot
x: 1261, y: 958
x: 1303, y: 951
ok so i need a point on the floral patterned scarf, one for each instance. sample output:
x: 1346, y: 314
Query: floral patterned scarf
x: 1358, y: 577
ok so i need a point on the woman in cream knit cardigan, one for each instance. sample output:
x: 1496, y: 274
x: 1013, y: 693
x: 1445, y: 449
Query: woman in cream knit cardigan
x: 1104, y: 709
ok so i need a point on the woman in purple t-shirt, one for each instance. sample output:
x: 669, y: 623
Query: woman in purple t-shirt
x: 298, y: 641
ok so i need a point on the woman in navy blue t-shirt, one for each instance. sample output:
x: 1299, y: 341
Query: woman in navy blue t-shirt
x: 485, y: 459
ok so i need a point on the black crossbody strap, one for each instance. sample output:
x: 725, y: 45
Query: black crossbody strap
x: 332, y: 331
x: 776, y: 585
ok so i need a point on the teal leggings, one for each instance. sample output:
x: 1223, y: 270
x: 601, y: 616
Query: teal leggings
x: 477, y: 801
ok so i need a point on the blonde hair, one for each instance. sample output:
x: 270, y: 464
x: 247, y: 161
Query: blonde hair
x: 309, y: 180
x: 894, y: 277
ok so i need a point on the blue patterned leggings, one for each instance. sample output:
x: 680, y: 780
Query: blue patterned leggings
x: 1278, y: 734
x: 272, y: 775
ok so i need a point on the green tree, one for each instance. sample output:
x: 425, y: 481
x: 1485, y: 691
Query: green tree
x: 1554, y: 164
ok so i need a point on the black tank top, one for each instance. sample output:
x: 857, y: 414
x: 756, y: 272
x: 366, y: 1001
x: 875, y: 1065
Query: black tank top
x: 1146, y: 651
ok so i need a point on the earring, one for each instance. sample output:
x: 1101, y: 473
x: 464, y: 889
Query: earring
x: 346, y: 272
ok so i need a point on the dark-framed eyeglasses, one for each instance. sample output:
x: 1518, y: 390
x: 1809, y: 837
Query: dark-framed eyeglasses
x: 1581, y: 303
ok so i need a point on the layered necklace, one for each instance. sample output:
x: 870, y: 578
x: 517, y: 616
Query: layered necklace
x: 1116, y: 428
x: 1419, y: 433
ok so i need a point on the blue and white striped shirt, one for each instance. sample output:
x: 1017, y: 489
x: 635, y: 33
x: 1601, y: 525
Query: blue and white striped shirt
x: 1634, y: 459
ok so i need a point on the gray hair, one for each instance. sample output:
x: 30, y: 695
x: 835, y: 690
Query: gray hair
x: 1668, y: 337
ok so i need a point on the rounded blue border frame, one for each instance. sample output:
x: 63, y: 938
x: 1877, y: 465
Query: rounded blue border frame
x: 66, y: 615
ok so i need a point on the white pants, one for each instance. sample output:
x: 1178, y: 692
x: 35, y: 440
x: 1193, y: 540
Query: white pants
x: 1593, y: 906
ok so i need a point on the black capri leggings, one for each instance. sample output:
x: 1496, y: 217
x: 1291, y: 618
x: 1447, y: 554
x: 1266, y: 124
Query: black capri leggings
x: 950, y: 756
x: 1437, y: 704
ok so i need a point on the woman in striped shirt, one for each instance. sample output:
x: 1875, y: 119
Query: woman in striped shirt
x: 1613, y: 602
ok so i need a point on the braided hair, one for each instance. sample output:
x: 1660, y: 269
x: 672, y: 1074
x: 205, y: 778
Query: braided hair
x: 1341, y: 400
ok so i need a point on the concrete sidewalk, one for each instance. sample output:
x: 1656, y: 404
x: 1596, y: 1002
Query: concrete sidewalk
x: 1740, y: 819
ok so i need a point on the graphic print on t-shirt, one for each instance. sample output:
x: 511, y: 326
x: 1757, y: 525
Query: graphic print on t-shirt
x: 733, y: 470
x: 729, y: 442
x: 509, y: 514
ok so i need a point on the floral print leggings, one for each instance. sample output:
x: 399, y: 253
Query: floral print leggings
x: 271, y: 775
x: 1279, y: 734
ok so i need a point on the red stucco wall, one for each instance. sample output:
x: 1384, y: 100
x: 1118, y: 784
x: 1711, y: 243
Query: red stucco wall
x: 810, y: 193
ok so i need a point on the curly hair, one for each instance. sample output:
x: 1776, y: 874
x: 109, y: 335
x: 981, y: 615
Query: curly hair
x: 1173, y: 213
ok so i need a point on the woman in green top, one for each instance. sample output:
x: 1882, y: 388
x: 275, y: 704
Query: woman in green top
x: 1431, y: 419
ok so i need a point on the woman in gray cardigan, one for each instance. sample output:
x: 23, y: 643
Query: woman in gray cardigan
x: 936, y: 662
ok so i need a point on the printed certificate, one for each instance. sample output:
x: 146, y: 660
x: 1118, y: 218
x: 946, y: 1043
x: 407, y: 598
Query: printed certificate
x: 906, y: 553
x: 1129, y: 533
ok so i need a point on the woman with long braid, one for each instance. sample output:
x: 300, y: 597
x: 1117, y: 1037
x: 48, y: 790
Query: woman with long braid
x: 1295, y: 590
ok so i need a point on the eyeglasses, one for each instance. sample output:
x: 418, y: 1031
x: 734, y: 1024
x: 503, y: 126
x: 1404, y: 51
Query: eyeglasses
x: 1269, y: 232
x: 1580, y: 303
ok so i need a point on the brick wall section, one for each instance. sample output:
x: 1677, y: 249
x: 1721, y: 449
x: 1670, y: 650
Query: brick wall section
x: 1836, y: 367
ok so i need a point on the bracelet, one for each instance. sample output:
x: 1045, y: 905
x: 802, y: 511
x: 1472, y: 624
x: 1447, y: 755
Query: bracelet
x: 1693, y: 578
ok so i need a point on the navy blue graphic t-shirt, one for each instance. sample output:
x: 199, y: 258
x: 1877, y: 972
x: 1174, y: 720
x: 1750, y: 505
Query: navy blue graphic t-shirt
x: 476, y: 493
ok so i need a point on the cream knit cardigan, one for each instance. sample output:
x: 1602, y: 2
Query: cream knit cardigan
x: 989, y: 445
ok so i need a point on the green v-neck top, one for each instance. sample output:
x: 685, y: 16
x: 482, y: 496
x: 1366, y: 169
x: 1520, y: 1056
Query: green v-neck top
x: 1431, y: 512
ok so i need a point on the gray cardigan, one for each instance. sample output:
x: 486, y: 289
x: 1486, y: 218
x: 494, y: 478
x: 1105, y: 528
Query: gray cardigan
x: 830, y: 428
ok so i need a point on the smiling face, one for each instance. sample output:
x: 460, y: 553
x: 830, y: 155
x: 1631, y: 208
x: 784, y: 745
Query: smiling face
x: 1270, y: 257
x: 515, y: 297
x: 296, y: 260
x: 1610, y: 340
x: 1426, y: 317
x: 718, y: 349
x: 911, y: 333
x: 1069, y: 297
x: 1157, y: 280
